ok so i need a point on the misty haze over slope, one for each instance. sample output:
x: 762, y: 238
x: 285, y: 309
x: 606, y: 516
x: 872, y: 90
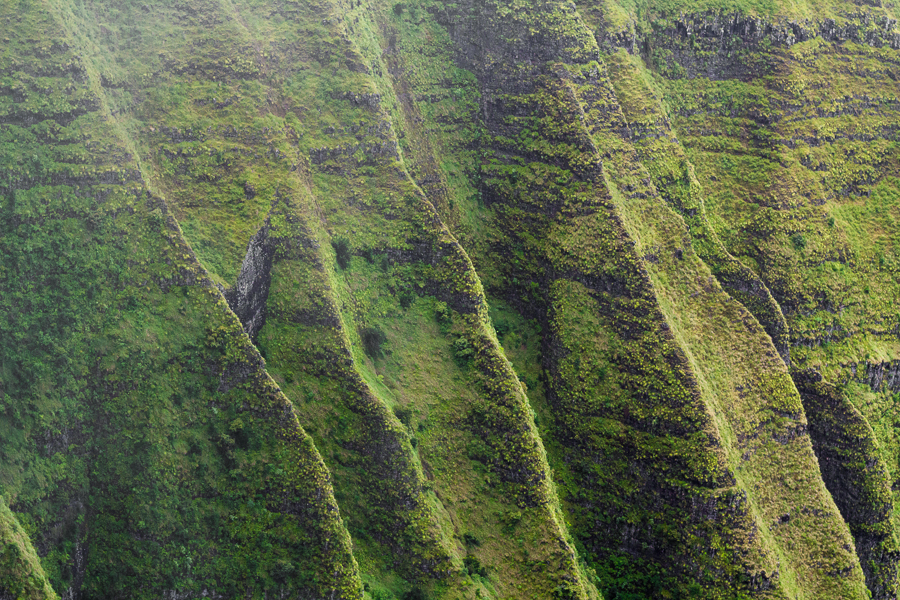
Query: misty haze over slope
x: 416, y: 300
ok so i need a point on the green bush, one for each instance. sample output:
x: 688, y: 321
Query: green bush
x: 474, y: 566
x: 341, y: 252
x: 463, y: 351
x: 373, y: 339
x: 415, y: 594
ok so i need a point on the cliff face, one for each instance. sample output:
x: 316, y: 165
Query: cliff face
x: 375, y: 299
x: 134, y: 407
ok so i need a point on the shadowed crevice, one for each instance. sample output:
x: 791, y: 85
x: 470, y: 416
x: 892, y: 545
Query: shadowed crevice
x: 856, y: 478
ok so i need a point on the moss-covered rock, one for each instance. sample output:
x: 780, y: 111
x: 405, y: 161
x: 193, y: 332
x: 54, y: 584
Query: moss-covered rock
x: 528, y: 277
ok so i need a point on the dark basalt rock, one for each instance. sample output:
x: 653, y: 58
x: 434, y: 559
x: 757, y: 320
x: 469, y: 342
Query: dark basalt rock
x: 726, y: 38
x: 248, y: 296
x: 856, y: 477
x: 880, y: 376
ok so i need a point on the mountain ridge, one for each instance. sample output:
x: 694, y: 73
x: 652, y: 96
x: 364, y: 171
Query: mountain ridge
x: 490, y: 299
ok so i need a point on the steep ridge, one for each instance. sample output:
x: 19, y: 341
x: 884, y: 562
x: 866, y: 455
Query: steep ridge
x: 881, y: 568
x: 856, y: 477
x: 781, y: 112
x: 673, y: 175
x: 555, y: 289
x: 146, y: 452
x: 632, y: 429
x: 205, y: 151
x: 524, y: 232
x: 758, y: 411
x: 355, y: 249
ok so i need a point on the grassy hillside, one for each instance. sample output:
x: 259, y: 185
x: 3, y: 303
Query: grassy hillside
x: 405, y: 300
x: 145, y: 449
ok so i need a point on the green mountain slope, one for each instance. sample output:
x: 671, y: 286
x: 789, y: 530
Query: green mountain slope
x: 404, y: 300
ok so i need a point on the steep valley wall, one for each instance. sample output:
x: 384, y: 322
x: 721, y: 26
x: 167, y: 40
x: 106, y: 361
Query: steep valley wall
x: 386, y: 300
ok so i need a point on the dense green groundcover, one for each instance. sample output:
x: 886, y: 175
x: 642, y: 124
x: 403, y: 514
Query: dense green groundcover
x: 384, y: 300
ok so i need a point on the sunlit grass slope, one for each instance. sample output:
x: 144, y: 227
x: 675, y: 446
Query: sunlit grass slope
x: 402, y: 300
x: 145, y: 450
x: 256, y: 116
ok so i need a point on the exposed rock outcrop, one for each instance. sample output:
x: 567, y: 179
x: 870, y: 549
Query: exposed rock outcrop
x: 880, y: 376
x: 251, y: 291
x: 855, y: 475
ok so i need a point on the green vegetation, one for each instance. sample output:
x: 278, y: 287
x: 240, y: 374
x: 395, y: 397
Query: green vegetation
x: 145, y: 448
x: 21, y: 575
x: 544, y: 300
